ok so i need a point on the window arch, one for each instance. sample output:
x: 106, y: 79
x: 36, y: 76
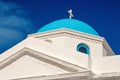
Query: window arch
x: 83, y: 48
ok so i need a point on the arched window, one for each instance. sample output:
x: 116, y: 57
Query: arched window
x: 83, y: 48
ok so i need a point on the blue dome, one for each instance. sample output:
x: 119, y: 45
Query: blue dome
x: 72, y: 24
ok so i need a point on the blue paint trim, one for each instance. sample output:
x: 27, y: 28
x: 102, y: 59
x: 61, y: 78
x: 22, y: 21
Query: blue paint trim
x: 85, y: 46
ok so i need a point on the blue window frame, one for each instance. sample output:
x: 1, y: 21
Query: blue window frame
x: 83, y: 48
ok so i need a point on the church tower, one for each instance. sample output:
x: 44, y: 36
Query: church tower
x: 65, y: 49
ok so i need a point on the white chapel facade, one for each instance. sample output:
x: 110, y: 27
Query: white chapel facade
x: 65, y: 49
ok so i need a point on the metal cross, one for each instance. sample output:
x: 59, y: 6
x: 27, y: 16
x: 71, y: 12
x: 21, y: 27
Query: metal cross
x: 70, y: 12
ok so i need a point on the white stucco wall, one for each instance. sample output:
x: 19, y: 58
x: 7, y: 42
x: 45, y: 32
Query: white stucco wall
x: 59, y: 52
x: 104, y: 52
x: 28, y: 66
x: 70, y: 44
x: 107, y: 64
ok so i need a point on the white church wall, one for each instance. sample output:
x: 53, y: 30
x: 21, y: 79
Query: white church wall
x: 97, y: 51
x: 108, y: 64
x: 107, y: 48
x: 105, y: 53
x: 59, y: 41
x: 28, y: 66
x: 59, y: 52
x: 96, y: 54
x: 70, y: 44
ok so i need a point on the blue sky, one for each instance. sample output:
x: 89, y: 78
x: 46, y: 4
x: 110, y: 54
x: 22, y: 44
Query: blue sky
x: 21, y: 17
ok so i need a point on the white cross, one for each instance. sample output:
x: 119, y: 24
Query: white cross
x: 70, y: 12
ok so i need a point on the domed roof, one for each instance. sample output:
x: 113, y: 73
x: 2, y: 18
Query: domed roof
x: 72, y: 24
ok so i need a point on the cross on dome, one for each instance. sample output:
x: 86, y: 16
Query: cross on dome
x: 71, y: 14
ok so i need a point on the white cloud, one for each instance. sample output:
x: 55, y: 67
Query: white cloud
x: 14, y: 26
x: 16, y: 22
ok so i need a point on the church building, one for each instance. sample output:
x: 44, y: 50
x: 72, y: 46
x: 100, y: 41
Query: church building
x: 65, y: 49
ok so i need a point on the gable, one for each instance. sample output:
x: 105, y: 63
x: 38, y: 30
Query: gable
x: 28, y: 63
x: 28, y: 66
